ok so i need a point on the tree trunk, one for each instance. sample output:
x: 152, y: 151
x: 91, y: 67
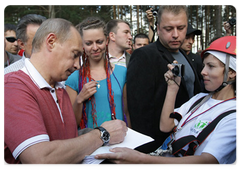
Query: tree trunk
x: 137, y: 18
x: 207, y: 13
x: 141, y: 19
x: 197, y: 25
x: 118, y: 10
x: 227, y: 12
x: 202, y: 21
x: 51, y: 11
x: 114, y: 12
x: 219, y: 20
x: 131, y: 18
x: 121, y: 12
x: 190, y: 14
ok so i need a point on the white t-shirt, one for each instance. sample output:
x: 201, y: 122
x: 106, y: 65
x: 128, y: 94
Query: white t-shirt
x: 221, y: 143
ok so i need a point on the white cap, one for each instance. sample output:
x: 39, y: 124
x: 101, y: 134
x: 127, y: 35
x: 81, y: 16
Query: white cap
x: 222, y: 57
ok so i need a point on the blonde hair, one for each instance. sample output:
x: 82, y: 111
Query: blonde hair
x: 91, y: 23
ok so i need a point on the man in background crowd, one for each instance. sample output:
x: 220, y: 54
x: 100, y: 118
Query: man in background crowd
x: 119, y: 41
x: 7, y: 58
x: 140, y: 40
x: 187, y: 48
x: 26, y: 29
x: 10, y: 38
x: 146, y: 85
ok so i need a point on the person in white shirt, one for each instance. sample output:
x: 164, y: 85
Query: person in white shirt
x: 220, y: 80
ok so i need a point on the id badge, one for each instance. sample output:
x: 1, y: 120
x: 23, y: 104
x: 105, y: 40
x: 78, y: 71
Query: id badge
x: 165, y: 148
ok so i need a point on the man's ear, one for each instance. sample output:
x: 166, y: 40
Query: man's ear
x: 112, y: 36
x: 50, y: 41
x: 21, y: 44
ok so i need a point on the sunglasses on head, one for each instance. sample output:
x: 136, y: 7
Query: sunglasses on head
x: 11, y: 39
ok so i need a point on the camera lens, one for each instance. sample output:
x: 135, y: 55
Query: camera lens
x: 175, y: 71
x: 232, y: 21
x: 154, y: 13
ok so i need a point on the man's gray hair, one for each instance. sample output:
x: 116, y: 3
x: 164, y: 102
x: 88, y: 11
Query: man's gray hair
x: 60, y: 27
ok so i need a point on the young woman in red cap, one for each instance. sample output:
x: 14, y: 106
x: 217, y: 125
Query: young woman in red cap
x: 204, y: 128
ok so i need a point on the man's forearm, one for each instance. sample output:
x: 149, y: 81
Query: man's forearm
x: 63, y: 151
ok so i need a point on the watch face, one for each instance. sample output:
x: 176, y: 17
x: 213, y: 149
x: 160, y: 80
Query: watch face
x: 105, y: 136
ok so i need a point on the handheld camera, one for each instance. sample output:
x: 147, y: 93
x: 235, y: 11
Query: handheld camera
x: 155, y: 12
x: 178, y: 70
x: 232, y: 21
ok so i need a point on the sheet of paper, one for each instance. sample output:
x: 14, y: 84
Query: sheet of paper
x: 132, y: 140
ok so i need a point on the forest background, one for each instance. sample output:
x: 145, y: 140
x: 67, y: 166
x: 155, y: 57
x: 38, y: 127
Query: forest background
x: 208, y: 18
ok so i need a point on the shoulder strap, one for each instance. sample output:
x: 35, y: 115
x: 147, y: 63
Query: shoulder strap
x: 206, y: 131
x: 195, y: 104
x: 177, y: 116
x: 194, y: 142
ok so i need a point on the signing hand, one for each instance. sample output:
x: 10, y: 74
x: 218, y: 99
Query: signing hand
x: 117, y: 130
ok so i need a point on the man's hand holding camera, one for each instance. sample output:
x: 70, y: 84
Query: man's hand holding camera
x: 172, y: 76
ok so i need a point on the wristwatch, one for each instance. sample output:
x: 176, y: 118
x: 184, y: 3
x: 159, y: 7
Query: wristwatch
x: 105, y: 136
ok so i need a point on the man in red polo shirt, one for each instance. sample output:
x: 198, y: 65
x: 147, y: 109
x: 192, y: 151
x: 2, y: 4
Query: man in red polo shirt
x: 40, y: 125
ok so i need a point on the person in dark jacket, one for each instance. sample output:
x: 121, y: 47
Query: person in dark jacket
x: 146, y: 89
x: 187, y: 48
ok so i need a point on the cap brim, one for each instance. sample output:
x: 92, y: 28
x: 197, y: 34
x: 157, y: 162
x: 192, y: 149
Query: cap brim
x: 195, y: 31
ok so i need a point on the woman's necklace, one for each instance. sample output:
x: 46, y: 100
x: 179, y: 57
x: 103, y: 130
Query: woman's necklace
x: 98, y: 85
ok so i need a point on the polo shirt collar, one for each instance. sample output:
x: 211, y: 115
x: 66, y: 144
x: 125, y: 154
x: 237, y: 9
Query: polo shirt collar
x: 123, y: 56
x: 36, y: 77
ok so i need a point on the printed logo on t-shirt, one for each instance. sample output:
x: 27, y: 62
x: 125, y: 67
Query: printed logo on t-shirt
x: 198, y: 127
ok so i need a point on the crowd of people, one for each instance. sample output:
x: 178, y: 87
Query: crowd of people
x: 69, y: 90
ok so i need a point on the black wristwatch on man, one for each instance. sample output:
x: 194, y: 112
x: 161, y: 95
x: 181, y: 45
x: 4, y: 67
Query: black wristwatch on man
x: 105, y: 136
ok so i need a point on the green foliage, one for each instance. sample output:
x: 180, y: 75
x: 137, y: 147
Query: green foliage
x: 201, y: 16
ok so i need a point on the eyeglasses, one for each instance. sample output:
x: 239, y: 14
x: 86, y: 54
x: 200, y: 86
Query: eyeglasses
x: 11, y: 39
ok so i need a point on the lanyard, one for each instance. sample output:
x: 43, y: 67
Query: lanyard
x: 195, y: 109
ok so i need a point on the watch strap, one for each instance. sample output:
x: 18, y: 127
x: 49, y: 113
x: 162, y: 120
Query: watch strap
x: 103, y: 132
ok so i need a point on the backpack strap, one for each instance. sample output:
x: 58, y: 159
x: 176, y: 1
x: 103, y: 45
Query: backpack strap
x: 196, y: 103
x: 195, y: 142
x: 178, y: 116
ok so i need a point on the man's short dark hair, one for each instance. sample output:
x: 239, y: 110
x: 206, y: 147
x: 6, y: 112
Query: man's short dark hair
x: 24, y: 22
x: 140, y: 35
x: 112, y: 25
x: 9, y: 27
